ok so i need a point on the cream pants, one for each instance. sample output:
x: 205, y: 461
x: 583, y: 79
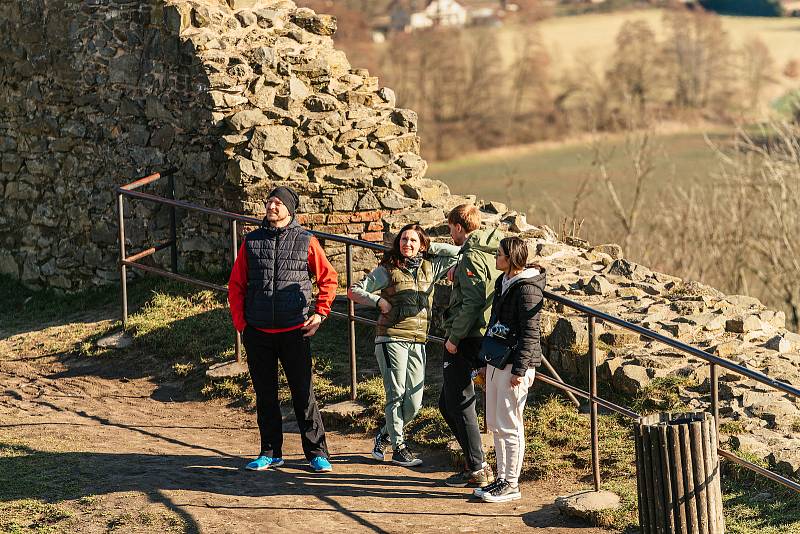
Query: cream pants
x: 504, y: 406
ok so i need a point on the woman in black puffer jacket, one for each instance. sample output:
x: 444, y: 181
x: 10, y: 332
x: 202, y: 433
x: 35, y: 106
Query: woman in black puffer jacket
x: 517, y: 302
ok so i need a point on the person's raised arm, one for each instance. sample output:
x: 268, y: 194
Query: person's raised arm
x: 444, y: 256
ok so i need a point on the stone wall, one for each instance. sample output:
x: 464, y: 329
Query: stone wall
x: 239, y: 95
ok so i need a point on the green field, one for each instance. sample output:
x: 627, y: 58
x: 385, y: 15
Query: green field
x: 543, y: 180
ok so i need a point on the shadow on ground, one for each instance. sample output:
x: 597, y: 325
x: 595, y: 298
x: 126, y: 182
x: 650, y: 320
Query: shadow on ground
x: 78, y: 474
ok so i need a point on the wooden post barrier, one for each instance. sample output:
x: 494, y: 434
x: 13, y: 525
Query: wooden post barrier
x: 677, y: 474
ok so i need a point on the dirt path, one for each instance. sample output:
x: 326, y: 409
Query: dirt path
x: 141, y: 462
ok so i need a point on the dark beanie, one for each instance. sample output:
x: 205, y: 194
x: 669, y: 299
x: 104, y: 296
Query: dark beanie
x: 287, y: 196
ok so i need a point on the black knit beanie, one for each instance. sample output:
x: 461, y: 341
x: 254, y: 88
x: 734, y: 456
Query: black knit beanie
x: 287, y: 196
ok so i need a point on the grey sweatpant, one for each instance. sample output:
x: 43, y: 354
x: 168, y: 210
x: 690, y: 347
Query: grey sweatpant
x: 402, y: 365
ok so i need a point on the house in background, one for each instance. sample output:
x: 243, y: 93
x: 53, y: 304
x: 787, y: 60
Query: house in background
x: 412, y: 15
x: 446, y: 13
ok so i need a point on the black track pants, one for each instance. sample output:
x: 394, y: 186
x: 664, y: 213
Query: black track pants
x: 294, y: 352
x: 457, y: 400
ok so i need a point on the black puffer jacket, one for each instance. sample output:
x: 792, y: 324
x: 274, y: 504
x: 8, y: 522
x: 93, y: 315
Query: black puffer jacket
x: 518, y: 308
x: 278, y: 284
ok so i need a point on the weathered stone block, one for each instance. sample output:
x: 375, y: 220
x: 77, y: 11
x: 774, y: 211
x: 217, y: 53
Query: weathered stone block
x: 570, y: 332
x: 281, y: 167
x: 598, y: 285
x: 274, y: 139
x: 372, y: 158
x: 369, y: 202
x: 743, y: 324
x: 401, y: 143
x: 630, y: 379
x: 321, y: 151
x: 310, y: 21
x: 244, y: 120
x: 345, y: 200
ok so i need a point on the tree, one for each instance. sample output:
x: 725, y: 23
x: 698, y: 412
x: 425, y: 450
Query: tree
x: 529, y: 99
x: 698, y: 53
x: 634, y: 76
x: 756, y: 66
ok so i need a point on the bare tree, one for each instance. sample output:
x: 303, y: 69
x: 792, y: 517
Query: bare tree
x: 639, y: 157
x: 698, y: 51
x: 756, y: 67
x: 634, y: 75
x: 529, y: 92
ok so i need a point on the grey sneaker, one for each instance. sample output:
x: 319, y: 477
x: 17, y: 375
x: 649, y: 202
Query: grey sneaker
x: 469, y: 479
x: 381, y: 444
x: 502, y: 492
x: 405, y: 457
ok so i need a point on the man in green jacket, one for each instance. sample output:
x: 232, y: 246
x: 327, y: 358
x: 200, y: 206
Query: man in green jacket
x: 465, y: 323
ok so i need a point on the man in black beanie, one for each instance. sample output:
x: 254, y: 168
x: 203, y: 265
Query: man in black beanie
x: 269, y: 292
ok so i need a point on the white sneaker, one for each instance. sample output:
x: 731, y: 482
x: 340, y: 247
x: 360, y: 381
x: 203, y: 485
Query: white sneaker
x: 503, y: 492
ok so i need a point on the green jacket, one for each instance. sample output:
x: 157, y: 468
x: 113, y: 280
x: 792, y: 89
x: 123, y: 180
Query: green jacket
x: 409, y: 292
x: 473, y: 288
x: 411, y: 297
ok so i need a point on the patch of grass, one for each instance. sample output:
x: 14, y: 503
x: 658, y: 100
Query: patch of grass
x: 796, y: 426
x: 23, y: 305
x: 626, y: 517
x: 236, y: 388
x: 755, y: 504
x: 662, y: 395
x: 544, y: 179
x: 32, y: 516
x: 429, y: 428
x: 33, y: 485
x: 182, y: 370
x: 731, y: 427
x: 23, y: 473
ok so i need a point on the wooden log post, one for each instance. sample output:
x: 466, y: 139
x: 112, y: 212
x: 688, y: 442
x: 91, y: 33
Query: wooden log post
x: 677, y: 474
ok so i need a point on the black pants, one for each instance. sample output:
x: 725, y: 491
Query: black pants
x: 294, y: 352
x: 457, y: 400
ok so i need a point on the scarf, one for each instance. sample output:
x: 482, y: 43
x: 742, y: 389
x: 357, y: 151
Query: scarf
x: 413, y: 263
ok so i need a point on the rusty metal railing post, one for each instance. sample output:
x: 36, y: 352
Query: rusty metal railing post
x: 351, y: 312
x: 714, y: 381
x: 173, y: 227
x: 593, y: 406
x: 123, y: 270
x: 234, y: 254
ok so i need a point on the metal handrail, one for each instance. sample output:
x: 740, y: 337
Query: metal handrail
x: 591, y: 314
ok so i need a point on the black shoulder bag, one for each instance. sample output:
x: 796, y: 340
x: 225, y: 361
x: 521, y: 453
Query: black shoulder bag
x: 497, y: 346
x: 498, y: 343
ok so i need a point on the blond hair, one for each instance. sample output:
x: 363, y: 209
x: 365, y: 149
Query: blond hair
x: 467, y: 215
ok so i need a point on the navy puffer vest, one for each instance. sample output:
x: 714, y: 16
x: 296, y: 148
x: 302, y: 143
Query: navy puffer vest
x: 278, y: 282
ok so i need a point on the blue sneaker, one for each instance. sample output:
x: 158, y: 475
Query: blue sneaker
x: 320, y: 464
x: 264, y: 462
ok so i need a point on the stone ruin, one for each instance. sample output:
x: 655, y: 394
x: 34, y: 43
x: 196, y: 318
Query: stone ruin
x: 243, y: 94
